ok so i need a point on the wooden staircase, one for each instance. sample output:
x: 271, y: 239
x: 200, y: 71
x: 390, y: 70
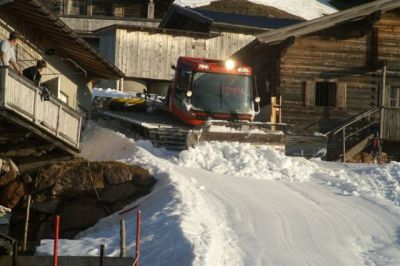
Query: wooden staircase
x: 353, y: 136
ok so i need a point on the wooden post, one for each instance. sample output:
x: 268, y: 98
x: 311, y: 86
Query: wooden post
x: 122, y: 238
x: 102, y: 255
x: 344, y: 145
x: 56, y: 230
x: 28, y: 206
x: 138, y: 224
x: 15, y: 253
x: 383, y: 96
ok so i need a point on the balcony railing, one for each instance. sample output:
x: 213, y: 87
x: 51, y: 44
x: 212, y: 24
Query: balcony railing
x: 22, y: 98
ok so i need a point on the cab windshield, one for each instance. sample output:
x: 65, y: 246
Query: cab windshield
x: 222, y: 93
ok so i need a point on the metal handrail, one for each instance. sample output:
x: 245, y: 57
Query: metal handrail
x: 353, y: 120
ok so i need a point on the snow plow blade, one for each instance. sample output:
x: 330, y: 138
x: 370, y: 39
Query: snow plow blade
x: 245, y: 132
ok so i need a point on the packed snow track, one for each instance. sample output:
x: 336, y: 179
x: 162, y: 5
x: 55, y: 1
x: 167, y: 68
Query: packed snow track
x: 236, y: 204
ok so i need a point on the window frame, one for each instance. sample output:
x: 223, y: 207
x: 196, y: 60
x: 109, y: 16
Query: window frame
x: 396, y: 98
x: 310, y: 87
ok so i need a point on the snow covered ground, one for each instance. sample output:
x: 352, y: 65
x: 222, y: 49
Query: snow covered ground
x: 235, y: 204
x: 308, y: 9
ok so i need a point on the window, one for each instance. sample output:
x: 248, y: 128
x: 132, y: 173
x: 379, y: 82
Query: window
x: 63, y: 97
x: 183, y: 82
x: 325, y: 94
x: 395, y: 97
x: 76, y: 7
x: 102, y: 8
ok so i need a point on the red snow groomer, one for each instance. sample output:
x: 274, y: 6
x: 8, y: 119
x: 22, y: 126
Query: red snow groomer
x: 205, y: 89
x: 207, y: 100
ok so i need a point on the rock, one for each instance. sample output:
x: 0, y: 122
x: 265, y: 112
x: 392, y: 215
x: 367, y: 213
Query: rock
x: 71, y: 180
x: 142, y: 177
x: 114, y: 193
x: 11, y: 194
x: 48, y: 206
x: 117, y: 173
x: 79, y: 216
x: 8, y: 172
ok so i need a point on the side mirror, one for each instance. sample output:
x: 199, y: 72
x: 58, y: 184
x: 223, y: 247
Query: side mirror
x: 257, y: 99
x: 173, y: 67
x: 189, y: 94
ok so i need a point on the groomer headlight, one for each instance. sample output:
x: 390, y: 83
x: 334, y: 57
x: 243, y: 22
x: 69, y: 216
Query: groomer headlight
x: 229, y: 64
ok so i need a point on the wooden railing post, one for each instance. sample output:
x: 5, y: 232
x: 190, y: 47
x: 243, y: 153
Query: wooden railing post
x: 3, y: 82
x: 383, y: 96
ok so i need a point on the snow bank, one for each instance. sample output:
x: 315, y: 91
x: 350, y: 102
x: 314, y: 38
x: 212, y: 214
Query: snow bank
x: 179, y: 225
x: 245, y: 160
x: 308, y: 9
x: 262, y: 162
x: 236, y: 204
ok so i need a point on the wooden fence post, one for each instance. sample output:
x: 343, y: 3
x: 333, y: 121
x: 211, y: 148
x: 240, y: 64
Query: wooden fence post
x: 122, y: 238
x: 138, y: 224
x: 102, y: 255
x: 26, y: 224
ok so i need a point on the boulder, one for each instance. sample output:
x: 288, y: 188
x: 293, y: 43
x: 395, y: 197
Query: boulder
x: 11, y: 194
x: 78, y: 217
x: 117, y: 173
x: 8, y: 172
x: 114, y: 193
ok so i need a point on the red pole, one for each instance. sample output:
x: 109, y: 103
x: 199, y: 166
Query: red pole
x: 56, y: 230
x: 138, y: 223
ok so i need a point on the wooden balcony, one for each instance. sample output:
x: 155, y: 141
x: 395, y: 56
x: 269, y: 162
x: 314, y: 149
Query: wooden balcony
x: 21, y: 103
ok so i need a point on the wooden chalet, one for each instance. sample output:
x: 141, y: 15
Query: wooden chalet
x: 337, y: 75
x: 86, y: 16
x: 34, y: 132
x: 146, y: 54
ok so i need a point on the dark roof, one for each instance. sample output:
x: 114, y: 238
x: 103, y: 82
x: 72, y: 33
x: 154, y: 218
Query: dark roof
x: 179, y: 17
x: 325, y: 22
x: 65, y: 40
x: 244, y: 20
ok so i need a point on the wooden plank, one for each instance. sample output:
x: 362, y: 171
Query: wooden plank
x: 309, y: 92
x: 359, y: 147
x: 341, y: 95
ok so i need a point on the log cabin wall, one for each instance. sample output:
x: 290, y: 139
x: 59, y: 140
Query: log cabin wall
x: 149, y: 54
x: 387, y: 32
x: 335, y: 56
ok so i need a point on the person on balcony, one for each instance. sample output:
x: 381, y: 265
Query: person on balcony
x: 34, y: 73
x: 7, y: 51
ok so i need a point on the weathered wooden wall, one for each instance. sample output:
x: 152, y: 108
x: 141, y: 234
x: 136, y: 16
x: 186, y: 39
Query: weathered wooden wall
x: 344, y: 60
x: 90, y: 24
x: 149, y: 55
x: 388, y: 36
